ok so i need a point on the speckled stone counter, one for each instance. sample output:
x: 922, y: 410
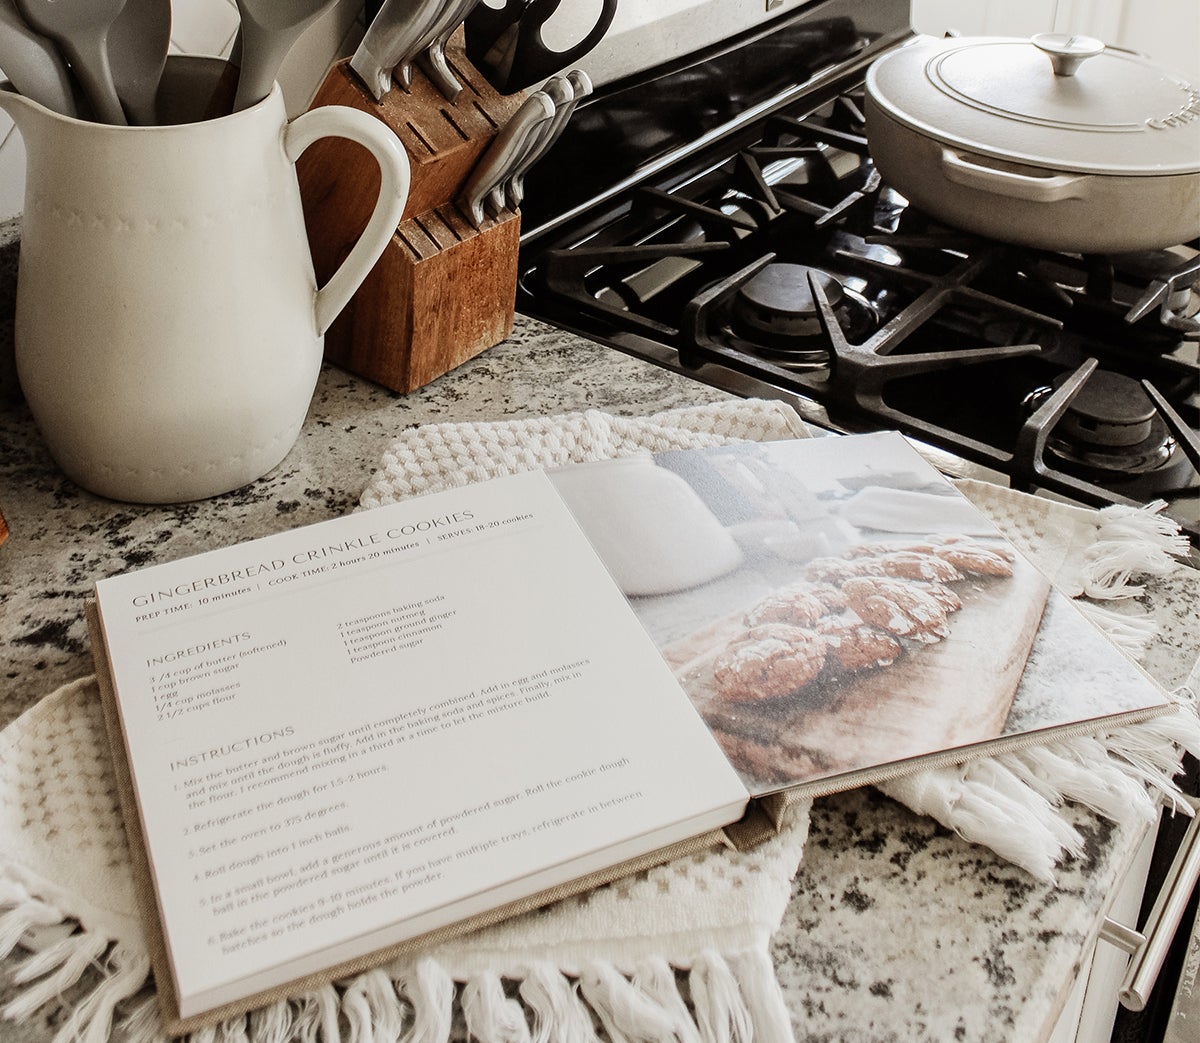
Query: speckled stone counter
x: 897, y: 931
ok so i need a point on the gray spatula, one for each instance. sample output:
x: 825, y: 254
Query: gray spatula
x: 137, y: 52
x: 32, y: 62
x: 80, y: 28
x: 269, y: 29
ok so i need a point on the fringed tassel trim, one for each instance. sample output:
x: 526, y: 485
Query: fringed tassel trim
x: 559, y: 1015
x: 125, y: 974
x: 24, y: 913
x: 993, y: 808
x: 721, y: 1011
x: 628, y: 1013
x: 1130, y: 541
x: 760, y: 992
x: 60, y: 964
x: 142, y: 1024
x: 490, y: 1015
x: 734, y: 999
x: 1151, y: 751
x: 274, y: 1023
x: 430, y: 990
x: 660, y: 982
x: 1133, y: 633
x: 1010, y: 803
x: 316, y: 1017
x: 372, y: 1008
x: 313, y: 1018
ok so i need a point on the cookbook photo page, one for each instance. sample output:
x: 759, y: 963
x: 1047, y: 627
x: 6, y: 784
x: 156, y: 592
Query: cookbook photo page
x: 833, y: 605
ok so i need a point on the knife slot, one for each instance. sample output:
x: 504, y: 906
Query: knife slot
x: 418, y: 241
x: 451, y: 228
x: 486, y: 115
x: 465, y: 74
x: 449, y: 117
x: 420, y: 136
x: 428, y: 233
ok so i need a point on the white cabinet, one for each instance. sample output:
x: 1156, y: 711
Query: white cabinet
x: 1091, y: 1008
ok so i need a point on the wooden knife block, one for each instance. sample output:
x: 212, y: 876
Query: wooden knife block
x: 443, y: 291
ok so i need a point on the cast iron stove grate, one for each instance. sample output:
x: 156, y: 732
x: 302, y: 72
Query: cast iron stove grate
x: 788, y: 261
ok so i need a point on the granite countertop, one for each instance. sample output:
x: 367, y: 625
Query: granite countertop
x: 897, y: 929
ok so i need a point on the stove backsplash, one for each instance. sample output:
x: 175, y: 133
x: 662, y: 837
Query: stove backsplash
x: 649, y: 33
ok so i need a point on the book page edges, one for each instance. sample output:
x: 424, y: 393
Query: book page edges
x: 962, y: 755
x: 756, y: 826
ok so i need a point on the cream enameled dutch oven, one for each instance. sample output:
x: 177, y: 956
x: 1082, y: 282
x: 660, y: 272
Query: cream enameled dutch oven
x: 1055, y: 142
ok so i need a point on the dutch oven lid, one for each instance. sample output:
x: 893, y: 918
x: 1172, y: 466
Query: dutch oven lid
x: 1056, y: 101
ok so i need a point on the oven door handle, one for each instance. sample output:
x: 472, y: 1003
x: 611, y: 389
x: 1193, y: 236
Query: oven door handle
x: 1148, y: 948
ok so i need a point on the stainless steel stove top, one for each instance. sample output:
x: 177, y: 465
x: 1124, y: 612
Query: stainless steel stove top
x: 730, y: 226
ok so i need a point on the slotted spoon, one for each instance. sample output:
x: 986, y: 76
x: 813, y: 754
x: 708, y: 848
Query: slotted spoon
x: 137, y: 52
x: 80, y: 28
x: 269, y: 28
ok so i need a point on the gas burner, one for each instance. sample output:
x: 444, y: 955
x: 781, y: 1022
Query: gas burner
x: 778, y: 303
x: 1173, y: 288
x: 1110, y: 410
x: 1110, y: 427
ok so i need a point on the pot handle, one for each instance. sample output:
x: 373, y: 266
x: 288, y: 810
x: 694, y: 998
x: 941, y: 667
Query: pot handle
x: 962, y: 171
x: 341, y: 121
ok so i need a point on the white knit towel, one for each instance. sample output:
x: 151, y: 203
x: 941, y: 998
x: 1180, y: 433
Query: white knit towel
x: 622, y: 956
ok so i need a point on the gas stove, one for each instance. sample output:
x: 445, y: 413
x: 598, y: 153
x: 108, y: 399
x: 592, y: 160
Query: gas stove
x: 721, y: 216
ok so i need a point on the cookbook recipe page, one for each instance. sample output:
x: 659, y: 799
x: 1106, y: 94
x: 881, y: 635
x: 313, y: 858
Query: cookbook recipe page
x: 380, y: 718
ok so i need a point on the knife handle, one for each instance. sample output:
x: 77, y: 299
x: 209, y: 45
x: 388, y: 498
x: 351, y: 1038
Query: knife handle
x: 496, y: 161
x: 433, y: 64
x: 579, y: 86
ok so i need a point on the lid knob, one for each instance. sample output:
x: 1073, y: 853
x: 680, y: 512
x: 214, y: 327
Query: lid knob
x: 1067, y: 53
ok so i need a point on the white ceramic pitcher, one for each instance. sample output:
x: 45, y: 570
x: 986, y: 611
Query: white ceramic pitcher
x: 169, y: 330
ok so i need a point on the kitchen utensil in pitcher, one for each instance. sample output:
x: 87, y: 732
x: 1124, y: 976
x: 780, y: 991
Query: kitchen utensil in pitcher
x: 81, y: 28
x: 269, y: 29
x: 169, y: 328
x: 32, y: 62
x: 137, y: 52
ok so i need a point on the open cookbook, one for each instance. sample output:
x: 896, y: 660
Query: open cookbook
x: 345, y: 741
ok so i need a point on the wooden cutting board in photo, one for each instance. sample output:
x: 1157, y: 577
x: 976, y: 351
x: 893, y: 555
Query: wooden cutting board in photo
x: 860, y: 696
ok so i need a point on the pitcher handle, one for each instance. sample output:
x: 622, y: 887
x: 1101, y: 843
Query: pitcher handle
x: 341, y: 121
